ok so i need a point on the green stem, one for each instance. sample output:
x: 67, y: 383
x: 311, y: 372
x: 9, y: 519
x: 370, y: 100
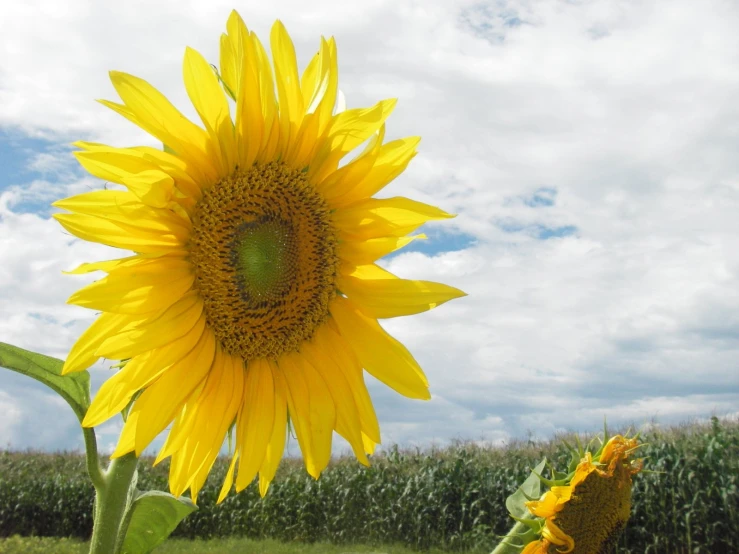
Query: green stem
x: 111, y: 501
x: 511, y: 543
x: 93, y: 462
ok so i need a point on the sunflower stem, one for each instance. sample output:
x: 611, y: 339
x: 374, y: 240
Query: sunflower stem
x: 512, y: 543
x: 93, y: 462
x: 111, y: 503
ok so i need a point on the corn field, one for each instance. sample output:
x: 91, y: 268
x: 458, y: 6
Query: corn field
x: 451, y: 498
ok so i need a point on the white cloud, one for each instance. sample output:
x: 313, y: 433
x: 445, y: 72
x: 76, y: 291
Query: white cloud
x: 624, y: 113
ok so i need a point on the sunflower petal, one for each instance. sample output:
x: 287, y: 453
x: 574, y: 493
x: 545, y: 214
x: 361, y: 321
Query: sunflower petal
x: 250, y: 119
x: 206, y: 419
x: 379, y: 353
x: 311, y: 410
x: 346, y: 131
x: 368, y: 251
x: 123, y: 207
x: 375, y: 218
x: 347, y: 417
x: 141, y: 371
x: 118, y: 235
x: 210, y: 102
x: 83, y: 352
x: 276, y: 445
x: 256, y: 421
x: 157, y: 116
x: 228, y: 481
x: 159, y: 403
x: 130, y: 168
x: 138, y: 293
x: 389, y: 162
x: 332, y: 345
x: 382, y: 298
x: 288, y: 85
x: 174, y: 322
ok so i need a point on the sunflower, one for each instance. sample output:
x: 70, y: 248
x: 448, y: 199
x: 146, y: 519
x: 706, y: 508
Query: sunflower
x: 588, y: 514
x: 252, y: 297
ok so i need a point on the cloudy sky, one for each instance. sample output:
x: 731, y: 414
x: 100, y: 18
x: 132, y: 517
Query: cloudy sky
x: 590, y: 148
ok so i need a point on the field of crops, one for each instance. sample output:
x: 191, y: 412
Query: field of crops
x: 452, y: 499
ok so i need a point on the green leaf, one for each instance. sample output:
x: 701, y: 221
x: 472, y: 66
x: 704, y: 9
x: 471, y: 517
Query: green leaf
x: 531, y: 488
x: 154, y: 516
x: 74, y: 388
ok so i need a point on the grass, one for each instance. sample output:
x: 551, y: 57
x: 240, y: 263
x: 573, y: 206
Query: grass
x: 44, y: 545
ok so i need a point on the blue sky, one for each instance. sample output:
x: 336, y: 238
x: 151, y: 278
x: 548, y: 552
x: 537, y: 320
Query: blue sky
x: 589, y: 150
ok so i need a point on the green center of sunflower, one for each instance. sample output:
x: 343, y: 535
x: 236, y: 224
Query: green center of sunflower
x: 264, y: 252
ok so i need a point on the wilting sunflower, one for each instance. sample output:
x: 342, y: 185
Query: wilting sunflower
x: 588, y: 513
x: 253, y: 294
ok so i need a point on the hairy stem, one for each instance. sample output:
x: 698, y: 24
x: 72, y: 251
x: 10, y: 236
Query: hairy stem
x: 511, y: 543
x: 93, y: 462
x: 111, y: 501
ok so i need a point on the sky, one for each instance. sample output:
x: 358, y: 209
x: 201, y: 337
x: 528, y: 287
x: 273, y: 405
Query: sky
x: 589, y: 148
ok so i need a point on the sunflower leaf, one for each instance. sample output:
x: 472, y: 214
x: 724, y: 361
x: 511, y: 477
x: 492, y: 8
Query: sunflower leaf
x: 154, y: 515
x: 74, y: 388
x: 531, y: 488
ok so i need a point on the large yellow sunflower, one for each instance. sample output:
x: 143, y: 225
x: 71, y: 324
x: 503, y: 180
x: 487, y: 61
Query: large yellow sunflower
x: 252, y: 294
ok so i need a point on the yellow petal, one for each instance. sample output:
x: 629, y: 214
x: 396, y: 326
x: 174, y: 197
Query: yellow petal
x: 156, y: 115
x: 311, y: 410
x: 184, y: 175
x: 173, y: 323
x: 390, y: 161
x: 106, y: 266
x: 256, y: 421
x: 379, y: 353
x: 228, y: 65
x: 348, y: 424
x: 140, y: 372
x: 271, y: 134
x: 126, y: 442
x: 551, y: 502
x: 207, y: 96
x: 382, y: 298
x: 123, y: 207
x: 346, y: 131
x: 154, y: 286
x: 360, y: 252
x: 536, y: 547
x: 318, y: 87
x: 321, y: 97
x: 119, y: 235
x: 206, y: 418
x: 170, y: 164
x: 555, y: 535
x: 336, y: 184
x: 276, y: 445
x: 130, y: 168
x: 367, y: 271
x: 369, y: 444
x: 375, y: 218
x: 332, y: 345
x: 309, y: 85
x: 159, y: 403
x: 246, y: 83
x: 82, y: 355
x: 288, y: 85
x: 228, y: 481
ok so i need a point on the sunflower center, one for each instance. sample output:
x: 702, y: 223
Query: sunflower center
x: 598, y: 511
x: 264, y: 252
